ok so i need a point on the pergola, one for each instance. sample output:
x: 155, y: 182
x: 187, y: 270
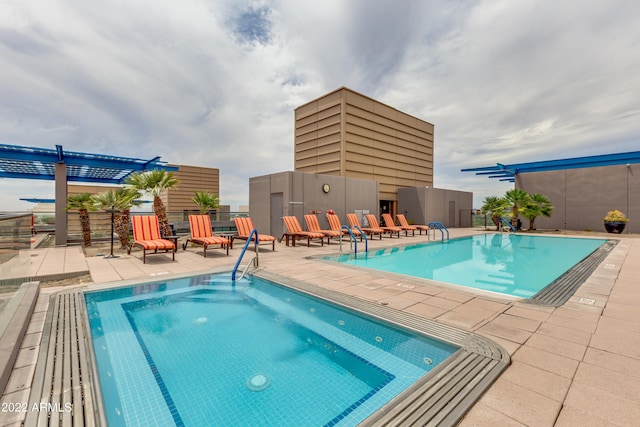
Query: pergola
x: 508, y: 172
x: 64, y: 166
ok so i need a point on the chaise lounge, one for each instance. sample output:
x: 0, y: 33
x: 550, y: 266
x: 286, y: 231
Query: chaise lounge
x: 245, y: 226
x: 404, y: 223
x: 146, y: 235
x: 335, y: 225
x: 388, y: 222
x: 313, y: 225
x: 202, y: 234
x: 371, y: 231
x: 294, y: 231
x: 373, y: 222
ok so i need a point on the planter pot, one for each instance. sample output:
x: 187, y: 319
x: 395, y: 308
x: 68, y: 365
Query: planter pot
x: 614, y: 226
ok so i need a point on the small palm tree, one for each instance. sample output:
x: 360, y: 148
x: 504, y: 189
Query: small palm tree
x: 83, y: 203
x: 121, y: 199
x: 205, y: 201
x: 518, y: 199
x: 538, y: 205
x: 496, y: 207
x: 153, y: 183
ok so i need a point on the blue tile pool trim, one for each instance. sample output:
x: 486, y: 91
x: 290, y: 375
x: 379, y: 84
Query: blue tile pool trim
x: 156, y: 374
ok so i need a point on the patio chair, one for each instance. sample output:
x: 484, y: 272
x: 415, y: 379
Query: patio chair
x: 313, y: 225
x: 146, y: 235
x: 388, y: 222
x: 403, y: 223
x: 373, y: 222
x: 335, y: 225
x: 294, y: 231
x: 202, y: 234
x: 353, y: 221
x: 244, y: 227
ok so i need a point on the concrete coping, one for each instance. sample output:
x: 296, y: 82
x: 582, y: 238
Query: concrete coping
x: 14, y: 321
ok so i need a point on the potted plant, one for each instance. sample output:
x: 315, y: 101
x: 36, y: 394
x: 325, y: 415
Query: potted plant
x: 615, y: 221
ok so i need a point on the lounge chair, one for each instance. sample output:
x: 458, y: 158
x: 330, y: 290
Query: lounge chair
x: 335, y: 225
x: 202, y: 234
x: 146, y: 235
x: 245, y: 226
x: 388, y: 222
x: 313, y: 225
x: 373, y: 222
x: 371, y: 231
x: 294, y: 231
x: 403, y: 223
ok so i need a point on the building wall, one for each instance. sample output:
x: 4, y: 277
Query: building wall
x: 348, y: 134
x: 423, y: 205
x: 302, y: 193
x: 192, y: 179
x: 582, y: 197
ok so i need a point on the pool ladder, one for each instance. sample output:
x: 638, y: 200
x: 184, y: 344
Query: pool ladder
x: 437, y: 225
x: 355, y: 240
x: 253, y: 261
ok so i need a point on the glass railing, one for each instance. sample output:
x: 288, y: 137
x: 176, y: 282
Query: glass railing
x: 15, y: 234
x: 100, y: 222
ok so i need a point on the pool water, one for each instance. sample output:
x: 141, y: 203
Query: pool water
x: 199, y: 351
x: 512, y: 264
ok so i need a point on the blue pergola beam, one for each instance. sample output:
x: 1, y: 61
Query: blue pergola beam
x: 501, y: 170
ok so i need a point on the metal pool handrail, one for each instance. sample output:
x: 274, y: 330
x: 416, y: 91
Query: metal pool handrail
x: 364, y: 236
x: 244, y: 249
x: 355, y: 241
x: 440, y: 226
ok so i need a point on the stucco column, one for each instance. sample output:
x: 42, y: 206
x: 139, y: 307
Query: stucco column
x: 61, y: 204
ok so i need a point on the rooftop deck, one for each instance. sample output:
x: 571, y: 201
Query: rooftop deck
x: 577, y: 364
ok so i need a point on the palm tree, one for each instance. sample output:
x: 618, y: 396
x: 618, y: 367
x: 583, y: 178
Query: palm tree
x: 205, y: 201
x: 539, y: 204
x: 518, y: 199
x: 121, y: 199
x: 153, y: 183
x: 496, y: 207
x: 83, y: 203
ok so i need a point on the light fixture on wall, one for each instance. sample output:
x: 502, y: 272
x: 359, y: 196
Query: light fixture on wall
x: 326, y: 188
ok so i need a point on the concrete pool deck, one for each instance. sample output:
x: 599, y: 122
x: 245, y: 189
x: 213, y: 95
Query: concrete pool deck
x: 578, y: 364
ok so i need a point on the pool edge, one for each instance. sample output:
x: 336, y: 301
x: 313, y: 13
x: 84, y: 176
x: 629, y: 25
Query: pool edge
x: 445, y: 394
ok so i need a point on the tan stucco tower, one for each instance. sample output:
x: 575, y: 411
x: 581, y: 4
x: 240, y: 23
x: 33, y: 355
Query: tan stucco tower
x: 348, y: 134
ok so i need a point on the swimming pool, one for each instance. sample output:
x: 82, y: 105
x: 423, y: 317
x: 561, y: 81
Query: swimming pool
x: 513, y: 264
x: 199, y: 351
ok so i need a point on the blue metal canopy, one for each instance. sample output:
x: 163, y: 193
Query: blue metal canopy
x: 508, y: 172
x: 39, y: 163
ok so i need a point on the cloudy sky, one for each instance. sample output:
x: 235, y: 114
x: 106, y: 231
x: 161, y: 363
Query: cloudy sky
x: 502, y: 80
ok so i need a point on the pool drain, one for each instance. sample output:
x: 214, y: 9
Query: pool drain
x: 258, y: 382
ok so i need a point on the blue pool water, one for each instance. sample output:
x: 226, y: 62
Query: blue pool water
x: 198, y: 351
x: 513, y: 264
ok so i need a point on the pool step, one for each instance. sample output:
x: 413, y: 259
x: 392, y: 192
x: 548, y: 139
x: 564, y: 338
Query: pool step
x: 62, y: 393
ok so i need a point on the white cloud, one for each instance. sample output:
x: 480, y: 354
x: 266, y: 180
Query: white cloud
x: 215, y: 83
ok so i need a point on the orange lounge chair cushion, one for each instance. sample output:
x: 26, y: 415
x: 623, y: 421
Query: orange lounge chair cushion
x: 244, y: 227
x: 314, y: 226
x: 294, y: 228
x: 373, y: 222
x: 200, y: 226
x: 403, y: 222
x: 146, y: 233
x: 213, y: 240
